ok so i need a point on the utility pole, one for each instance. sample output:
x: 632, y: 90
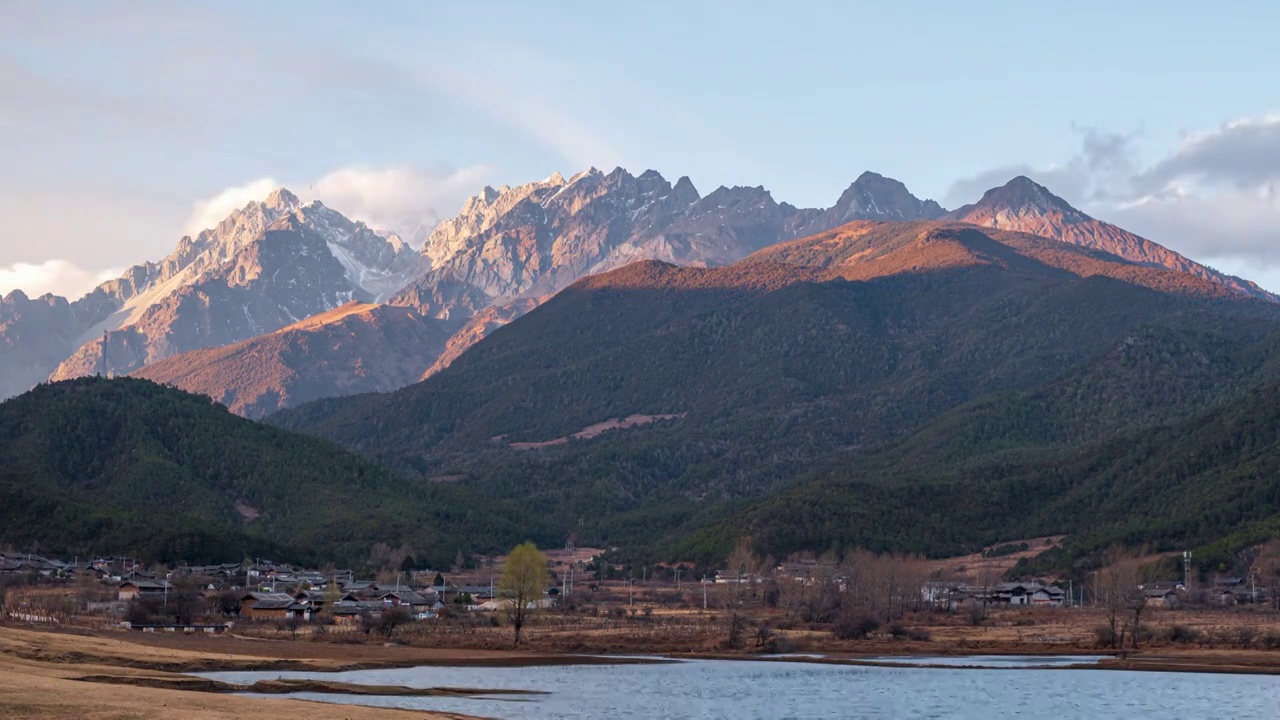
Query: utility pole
x: 1186, y: 570
x: 677, y: 578
x: 704, y: 593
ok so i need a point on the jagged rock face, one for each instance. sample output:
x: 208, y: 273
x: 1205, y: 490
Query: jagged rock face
x: 477, y: 327
x: 1023, y: 205
x: 355, y: 348
x: 265, y: 266
x: 34, y: 335
x: 534, y: 240
x: 538, y: 238
x: 875, y: 197
x: 376, y: 264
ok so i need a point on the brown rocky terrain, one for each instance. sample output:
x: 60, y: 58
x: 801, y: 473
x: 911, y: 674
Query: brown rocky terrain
x: 266, y: 266
x: 1022, y: 205
x: 355, y: 348
x: 275, y: 263
x: 506, y: 252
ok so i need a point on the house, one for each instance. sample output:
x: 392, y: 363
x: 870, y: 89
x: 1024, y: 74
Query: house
x: 300, y: 611
x: 139, y: 588
x: 361, y: 588
x: 948, y: 596
x: 349, y: 612
x: 268, y: 606
x: 1239, y: 595
x: 414, y: 602
x: 724, y: 577
x: 1045, y: 596
x: 1162, y: 597
x: 1033, y: 594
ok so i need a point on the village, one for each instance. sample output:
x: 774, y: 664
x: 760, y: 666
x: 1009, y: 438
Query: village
x: 762, y: 604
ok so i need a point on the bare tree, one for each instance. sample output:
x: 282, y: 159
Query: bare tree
x: 1117, y: 590
x: 738, y: 592
x: 1266, y: 569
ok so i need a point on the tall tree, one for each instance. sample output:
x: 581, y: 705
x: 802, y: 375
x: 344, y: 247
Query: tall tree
x: 523, y: 582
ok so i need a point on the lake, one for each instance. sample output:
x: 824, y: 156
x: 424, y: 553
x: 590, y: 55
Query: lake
x: 755, y: 690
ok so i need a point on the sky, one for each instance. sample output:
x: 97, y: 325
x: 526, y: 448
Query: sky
x: 125, y: 125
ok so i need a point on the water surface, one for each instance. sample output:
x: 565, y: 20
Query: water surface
x: 756, y: 690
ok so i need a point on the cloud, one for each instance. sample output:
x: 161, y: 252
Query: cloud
x: 59, y: 277
x: 207, y: 213
x: 408, y: 200
x: 1243, y: 153
x: 1215, y: 196
x: 1103, y: 169
x: 1208, y: 223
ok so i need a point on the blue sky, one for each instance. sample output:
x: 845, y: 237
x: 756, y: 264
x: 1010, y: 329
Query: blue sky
x: 130, y: 123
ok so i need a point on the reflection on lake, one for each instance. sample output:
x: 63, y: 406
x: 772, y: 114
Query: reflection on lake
x: 777, y: 689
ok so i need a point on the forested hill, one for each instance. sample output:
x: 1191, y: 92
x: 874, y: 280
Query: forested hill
x: 127, y: 466
x: 931, y: 379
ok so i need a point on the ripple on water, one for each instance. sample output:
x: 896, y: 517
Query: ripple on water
x: 768, y: 689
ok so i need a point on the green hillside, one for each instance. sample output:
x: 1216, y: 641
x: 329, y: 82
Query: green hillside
x: 128, y: 466
x: 915, y: 386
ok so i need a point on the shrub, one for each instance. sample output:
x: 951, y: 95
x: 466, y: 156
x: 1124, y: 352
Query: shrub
x: 1181, y: 634
x: 779, y: 644
x: 1219, y: 636
x: 977, y: 615
x: 919, y: 635
x: 1104, y: 636
x: 854, y: 626
x: 1243, y: 637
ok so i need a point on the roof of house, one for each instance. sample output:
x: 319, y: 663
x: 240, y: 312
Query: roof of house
x: 147, y: 584
x: 354, y: 608
x: 406, y: 597
x: 1028, y: 588
x: 262, y: 598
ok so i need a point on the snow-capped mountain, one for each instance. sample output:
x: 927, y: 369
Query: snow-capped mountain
x: 537, y: 238
x: 273, y: 264
x: 267, y: 265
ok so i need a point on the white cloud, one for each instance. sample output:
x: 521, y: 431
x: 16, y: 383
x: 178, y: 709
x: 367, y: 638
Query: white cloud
x: 1207, y: 221
x: 408, y: 200
x: 59, y: 277
x: 1215, y: 196
x: 1243, y: 153
x: 209, y: 212
x: 1103, y: 169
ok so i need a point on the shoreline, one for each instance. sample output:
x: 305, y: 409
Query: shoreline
x: 47, y: 673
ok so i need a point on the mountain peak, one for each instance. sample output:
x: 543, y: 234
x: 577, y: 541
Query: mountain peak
x: 1022, y: 194
x: 281, y: 200
x: 876, y: 197
x: 1023, y: 205
x: 685, y: 191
